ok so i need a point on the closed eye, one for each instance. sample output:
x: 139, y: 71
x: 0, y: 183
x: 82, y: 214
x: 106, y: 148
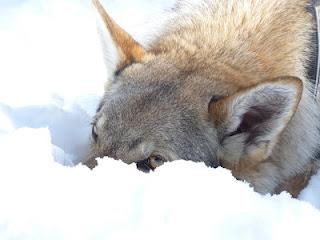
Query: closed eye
x: 94, y: 132
x: 156, y: 160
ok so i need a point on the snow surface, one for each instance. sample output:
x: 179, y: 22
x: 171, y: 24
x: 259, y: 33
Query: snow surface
x: 52, y: 77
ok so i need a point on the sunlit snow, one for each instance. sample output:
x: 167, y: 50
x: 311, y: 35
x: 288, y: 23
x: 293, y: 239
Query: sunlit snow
x: 51, y: 78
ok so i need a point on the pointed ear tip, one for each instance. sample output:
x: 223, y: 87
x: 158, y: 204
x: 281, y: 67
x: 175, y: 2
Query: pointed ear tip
x: 289, y: 82
x: 297, y: 84
x: 97, y: 5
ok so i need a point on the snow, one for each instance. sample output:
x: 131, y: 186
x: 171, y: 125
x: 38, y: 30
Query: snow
x: 52, y: 77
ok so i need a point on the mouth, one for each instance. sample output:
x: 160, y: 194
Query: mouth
x: 145, y: 166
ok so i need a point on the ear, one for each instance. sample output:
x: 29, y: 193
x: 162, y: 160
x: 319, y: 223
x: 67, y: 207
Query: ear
x: 250, y: 121
x: 120, y: 49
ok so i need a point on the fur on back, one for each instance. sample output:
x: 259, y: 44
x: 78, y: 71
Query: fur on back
x: 263, y: 38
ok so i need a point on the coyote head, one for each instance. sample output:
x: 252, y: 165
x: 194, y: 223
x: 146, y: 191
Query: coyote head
x: 160, y: 107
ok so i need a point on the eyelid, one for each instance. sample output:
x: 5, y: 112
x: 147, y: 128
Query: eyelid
x: 94, y: 132
x: 157, y: 158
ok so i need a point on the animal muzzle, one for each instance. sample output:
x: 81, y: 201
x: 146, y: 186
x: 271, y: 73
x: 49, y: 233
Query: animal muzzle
x: 145, y: 166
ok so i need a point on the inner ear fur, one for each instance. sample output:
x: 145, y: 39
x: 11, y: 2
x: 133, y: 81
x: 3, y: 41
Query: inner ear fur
x: 254, y: 117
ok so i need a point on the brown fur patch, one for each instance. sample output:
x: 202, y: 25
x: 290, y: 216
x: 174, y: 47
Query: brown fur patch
x: 295, y: 184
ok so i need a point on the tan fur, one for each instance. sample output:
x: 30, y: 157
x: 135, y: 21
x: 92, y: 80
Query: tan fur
x: 295, y: 184
x: 130, y: 50
x: 232, y: 48
x: 274, y: 43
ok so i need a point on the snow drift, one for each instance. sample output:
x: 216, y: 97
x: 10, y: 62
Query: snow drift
x: 51, y: 77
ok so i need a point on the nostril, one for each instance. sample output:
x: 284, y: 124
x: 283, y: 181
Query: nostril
x: 144, y: 166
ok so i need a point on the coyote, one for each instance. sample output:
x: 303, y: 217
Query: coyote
x: 225, y: 83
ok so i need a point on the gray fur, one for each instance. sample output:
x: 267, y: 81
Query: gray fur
x: 198, y: 85
x: 154, y: 114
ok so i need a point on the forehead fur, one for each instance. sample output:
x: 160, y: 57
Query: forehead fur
x: 194, y: 84
x: 133, y: 113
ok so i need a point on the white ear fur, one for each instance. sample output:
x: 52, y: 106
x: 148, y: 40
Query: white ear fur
x: 270, y: 104
x: 253, y: 118
x: 111, y: 55
x: 120, y: 49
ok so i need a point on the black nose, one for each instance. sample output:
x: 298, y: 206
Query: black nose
x: 144, y: 166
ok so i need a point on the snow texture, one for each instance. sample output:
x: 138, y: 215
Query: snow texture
x: 52, y: 77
